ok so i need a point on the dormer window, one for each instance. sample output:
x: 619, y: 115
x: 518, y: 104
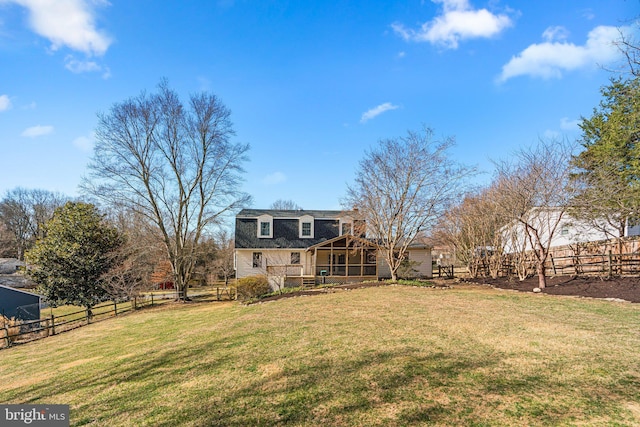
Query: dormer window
x: 346, y: 225
x: 306, y: 230
x: 265, y: 227
x: 347, y: 228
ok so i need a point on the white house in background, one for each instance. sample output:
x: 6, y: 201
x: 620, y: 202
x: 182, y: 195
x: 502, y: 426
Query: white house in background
x: 567, y: 230
x: 300, y: 247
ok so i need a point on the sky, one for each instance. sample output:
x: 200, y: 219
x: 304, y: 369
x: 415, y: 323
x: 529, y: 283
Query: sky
x: 312, y: 85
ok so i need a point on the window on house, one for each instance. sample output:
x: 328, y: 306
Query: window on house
x: 257, y: 260
x: 295, y: 258
x: 306, y: 229
x: 265, y: 229
x: 565, y: 230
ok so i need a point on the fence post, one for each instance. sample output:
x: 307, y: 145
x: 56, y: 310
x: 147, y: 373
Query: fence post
x: 88, y: 316
x: 6, y: 334
x: 553, y: 264
x: 610, y: 265
x: 152, y: 300
x: 53, y: 325
x: 218, y: 293
x: 115, y: 308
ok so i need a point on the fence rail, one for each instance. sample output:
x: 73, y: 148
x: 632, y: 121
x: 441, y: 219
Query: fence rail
x: 593, y: 264
x: 15, y: 332
x: 599, y: 264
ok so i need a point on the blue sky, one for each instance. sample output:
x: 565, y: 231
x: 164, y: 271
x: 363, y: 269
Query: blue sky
x: 311, y: 84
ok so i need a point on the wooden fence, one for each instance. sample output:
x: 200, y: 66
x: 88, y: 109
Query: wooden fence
x: 602, y: 264
x: 14, y: 331
x: 608, y: 264
x: 17, y: 332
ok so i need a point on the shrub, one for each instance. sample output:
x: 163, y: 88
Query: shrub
x: 252, y: 287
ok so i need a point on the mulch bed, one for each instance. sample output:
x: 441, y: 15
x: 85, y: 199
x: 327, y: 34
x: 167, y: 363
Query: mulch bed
x: 620, y: 288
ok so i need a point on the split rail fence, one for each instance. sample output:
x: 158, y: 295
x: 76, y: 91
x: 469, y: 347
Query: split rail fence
x: 604, y: 265
x: 18, y: 331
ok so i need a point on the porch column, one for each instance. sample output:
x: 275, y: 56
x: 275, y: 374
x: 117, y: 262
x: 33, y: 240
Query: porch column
x: 331, y: 259
x: 346, y: 258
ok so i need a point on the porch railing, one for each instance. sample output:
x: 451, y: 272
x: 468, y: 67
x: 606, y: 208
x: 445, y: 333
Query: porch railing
x: 346, y: 270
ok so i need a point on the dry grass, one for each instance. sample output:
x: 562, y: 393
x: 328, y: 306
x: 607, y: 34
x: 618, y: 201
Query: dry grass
x: 380, y: 356
x: 9, y: 330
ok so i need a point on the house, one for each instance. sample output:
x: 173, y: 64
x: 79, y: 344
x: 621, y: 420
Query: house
x: 558, y: 228
x: 10, y: 274
x: 300, y: 247
x: 19, y: 304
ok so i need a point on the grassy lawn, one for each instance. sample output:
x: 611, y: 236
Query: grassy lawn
x: 383, y: 356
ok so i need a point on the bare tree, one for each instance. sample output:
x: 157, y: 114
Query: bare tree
x: 285, y: 205
x: 24, y: 213
x: 629, y: 46
x: 137, y: 258
x: 174, y: 164
x: 223, y: 264
x: 534, y: 196
x: 472, y: 230
x: 401, y: 189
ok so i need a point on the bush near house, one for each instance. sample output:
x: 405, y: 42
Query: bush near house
x: 252, y: 287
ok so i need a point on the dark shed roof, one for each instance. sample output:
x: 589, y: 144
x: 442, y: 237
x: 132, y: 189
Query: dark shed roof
x: 19, y: 304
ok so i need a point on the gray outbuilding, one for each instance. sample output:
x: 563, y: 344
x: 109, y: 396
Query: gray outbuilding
x: 19, y: 304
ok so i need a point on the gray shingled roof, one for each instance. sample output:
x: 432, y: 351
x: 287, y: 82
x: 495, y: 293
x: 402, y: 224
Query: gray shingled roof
x: 317, y: 214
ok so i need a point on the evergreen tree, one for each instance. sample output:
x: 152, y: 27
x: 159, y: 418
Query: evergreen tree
x: 608, y: 169
x: 69, y: 263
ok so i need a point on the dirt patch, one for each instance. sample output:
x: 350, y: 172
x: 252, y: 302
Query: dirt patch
x: 622, y: 288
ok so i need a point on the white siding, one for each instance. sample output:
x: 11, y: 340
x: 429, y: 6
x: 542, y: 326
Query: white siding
x: 422, y: 258
x: 568, y: 231
x: 384, y: 272
x: 244, y: 261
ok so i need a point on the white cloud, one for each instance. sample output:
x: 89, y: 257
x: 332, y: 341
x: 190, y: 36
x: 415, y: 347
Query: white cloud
x: 5, y: 102
x: 555, y: 33
x: 376, y: 111
x: 77, y: 66
x: 274, y: 178
x: 570, y: 125
x: 69, y: 23
x: 588, y: 14
x: 83, y: 143
x: 551, y: 59
x: 459, y: 21
x: 36, y: 131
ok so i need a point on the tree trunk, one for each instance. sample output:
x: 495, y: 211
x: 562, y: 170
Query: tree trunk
x: 542, y: 278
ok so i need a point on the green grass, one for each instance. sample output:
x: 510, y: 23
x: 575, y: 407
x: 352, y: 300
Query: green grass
x: 385, y: 356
